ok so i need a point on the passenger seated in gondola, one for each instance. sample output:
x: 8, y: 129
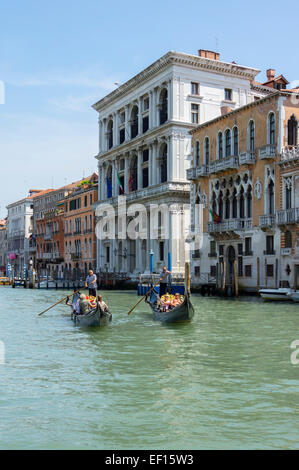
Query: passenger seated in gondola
x: 165, y: 303
x: 84, y: 305
x: 176, y: 300
x: 102, y: 304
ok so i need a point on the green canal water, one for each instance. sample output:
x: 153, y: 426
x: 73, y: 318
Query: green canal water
x: 223, y: 381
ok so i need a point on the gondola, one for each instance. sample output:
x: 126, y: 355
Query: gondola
x: 96, y: 317
x: 183, y: 312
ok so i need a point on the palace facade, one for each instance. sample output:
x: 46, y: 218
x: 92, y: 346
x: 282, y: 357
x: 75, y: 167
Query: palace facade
x: 145, y: 147
x: 245, y: 177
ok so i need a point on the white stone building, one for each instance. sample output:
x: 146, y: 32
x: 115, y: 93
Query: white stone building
x: 144, y: 143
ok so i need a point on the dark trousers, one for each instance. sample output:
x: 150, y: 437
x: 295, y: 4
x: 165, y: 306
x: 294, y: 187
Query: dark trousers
x: 92, y: 292
x: 163, y: 288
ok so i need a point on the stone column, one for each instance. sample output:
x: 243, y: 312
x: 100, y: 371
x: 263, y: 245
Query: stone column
x: 126, y: 174
x: 115, y: 129
x: 150, y: 164
x: 170, y: 158
x: 150, y: 108
x: 170, y: 99
x: 127, y: 124
x: 154, y: 163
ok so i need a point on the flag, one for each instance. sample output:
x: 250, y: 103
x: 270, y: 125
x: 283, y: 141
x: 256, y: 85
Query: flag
x: 216, y: 218
x: 120, y: 185
x: 130, y: 185
x: 109, y: 188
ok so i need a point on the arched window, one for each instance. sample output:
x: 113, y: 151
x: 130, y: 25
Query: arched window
x: 133, y: 176
x: 220, y: 145
x: 235, y: 204
x: 242, y: 204
x: 134, y: 122
x: 214, y: 205
x: 249, y: 202
x: 271, y: 127
x: 271, y: 197
x: 288, y: 239
x: 197, y: 153
x: 292, y: 130
x: 163, y: 106
x: 109, y: 182
x: 207, y: 151
x: 228, y: 143
x: 288, y: 193
x: 220, y: 212
x: 110, y: 134
x: 227, y: 205
x: 251, y: 136
x: 163, y: 166
x: 236, y: 140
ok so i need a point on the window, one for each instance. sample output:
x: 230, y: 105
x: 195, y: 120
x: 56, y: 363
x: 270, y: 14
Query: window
x: 288, y: 239
x: 292, y: 130
x: 163, y: 106
x: 85, y: 201
x: 145, y: 155
x: 145, y: 124
x: 212, y: 247
x: 221, y: 250
x: 220, y: 146
x: 207, y: 151
x: 194, y: 88
x: 228, y: 94
x: 107, y: 254
x: 213, y: 271
x: 248, y: 270
x: 236, y: 140
x: 271, y: 198
x: 240, y: 266
x: 248, y: 246
x: 271, y: 119
x: 228, y: 143
x: 269, y: 245
x: 145, y: 177
x: 197, y: 271
x: 251, y: 136
x: 194, y: 113
x: 288, y: 198
x: 240, y: 249
x: 161, y: 251
x: 197, y: 153
x: 145, y: 104
x: 270, y: 270
x: 122, y: 136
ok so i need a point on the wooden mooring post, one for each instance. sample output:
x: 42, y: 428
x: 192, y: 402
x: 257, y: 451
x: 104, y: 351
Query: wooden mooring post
x: 236, y: 279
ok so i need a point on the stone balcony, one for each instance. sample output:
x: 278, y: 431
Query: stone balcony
x: 230, y: 225
x: 51, y: 256
x: 247, y: 158
x: 227, y: 163
x: 289, y: 154
x: 288, y: 216
x: 266, y: 221
x: 267, y: 152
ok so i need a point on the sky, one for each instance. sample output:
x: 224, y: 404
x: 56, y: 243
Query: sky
x: 58, y: 58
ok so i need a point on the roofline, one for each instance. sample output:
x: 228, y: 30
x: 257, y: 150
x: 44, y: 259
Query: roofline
x: 175, y: 58
x: 238, y: 110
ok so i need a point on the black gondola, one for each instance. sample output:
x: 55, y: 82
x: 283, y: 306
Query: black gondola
x: 183, y: 312
x: 96, y: 317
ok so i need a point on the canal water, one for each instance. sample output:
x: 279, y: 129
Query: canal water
x: 223, y: 381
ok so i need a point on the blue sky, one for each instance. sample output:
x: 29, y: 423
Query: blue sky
x: 57, y: 58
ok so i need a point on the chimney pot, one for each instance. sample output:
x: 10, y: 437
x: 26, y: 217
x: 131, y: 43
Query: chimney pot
x: 209, y: 54
x: 270, y: 74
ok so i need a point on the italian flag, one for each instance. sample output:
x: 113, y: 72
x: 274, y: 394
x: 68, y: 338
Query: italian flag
x: 215, y: 217
x: 120, y: 185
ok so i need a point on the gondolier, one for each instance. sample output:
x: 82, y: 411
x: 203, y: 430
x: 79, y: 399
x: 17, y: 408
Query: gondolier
x: 163, y: 281
x: 91, y: 283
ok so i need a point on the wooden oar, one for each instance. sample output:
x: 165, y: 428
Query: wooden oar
x: 57, y: 303
x: 139, y: 301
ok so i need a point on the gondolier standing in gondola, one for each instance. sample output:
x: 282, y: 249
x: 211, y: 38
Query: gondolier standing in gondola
x: 91, y: 283
x: 163, y: 281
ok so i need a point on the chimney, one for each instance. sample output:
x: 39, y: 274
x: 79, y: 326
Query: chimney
x: 270, y: 74
x: 209, y: 54
x: 225, y: 110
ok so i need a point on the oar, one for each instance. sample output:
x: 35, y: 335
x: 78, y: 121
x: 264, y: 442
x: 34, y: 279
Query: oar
x: 139, y: 301
x: 58, y: 303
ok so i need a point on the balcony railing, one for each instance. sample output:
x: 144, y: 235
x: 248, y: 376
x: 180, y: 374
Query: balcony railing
x: 48, y: 236
x: 286, y: 251
x: 230, y: 225
x: 76, y: 256
x: 227, y: 163
x: 288, y: 216
x: 269, y: 252
x: 267, y: 151
x: 266, y: 221
x: 247, y: 158
x: 289, y: 154
x: 196, y: 254
x: 191, y: 173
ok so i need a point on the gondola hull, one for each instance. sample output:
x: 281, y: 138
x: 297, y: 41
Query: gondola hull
x: 96, y: 317
x: 181, y: 313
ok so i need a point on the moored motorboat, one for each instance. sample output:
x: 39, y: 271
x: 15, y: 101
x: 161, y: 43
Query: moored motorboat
x: 96, y: 316
x: 294, y: 296
x: 282, y: 293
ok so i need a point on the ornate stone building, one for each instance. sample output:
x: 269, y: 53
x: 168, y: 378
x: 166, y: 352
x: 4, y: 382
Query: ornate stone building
x: 145, y: 146
x: 244, y: 173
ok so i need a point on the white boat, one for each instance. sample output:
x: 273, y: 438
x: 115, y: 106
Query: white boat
x: 283, y: 293
x: 294, y: 295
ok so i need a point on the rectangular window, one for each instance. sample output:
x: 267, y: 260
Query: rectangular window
x: 145, y: 155
x: 240, y: 249
x: 270, y: 270
x: 145, y: 124
x: 121, y: 136
x: 228, y: 94
x: 197, y: 270
x: 107, y: 254
x: 221, y: 250
x: 85, y: 201
x: 248, y: 270
x: 145, y: 104
x: 194, y: 113
x: 212, y: 247
x: 240, y: 266
x: 194, y: 88
x: 145, y: 177
x: 161, y: 251
x: 213, y: 271
x: 269, y: 245
x: 248, y: 245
